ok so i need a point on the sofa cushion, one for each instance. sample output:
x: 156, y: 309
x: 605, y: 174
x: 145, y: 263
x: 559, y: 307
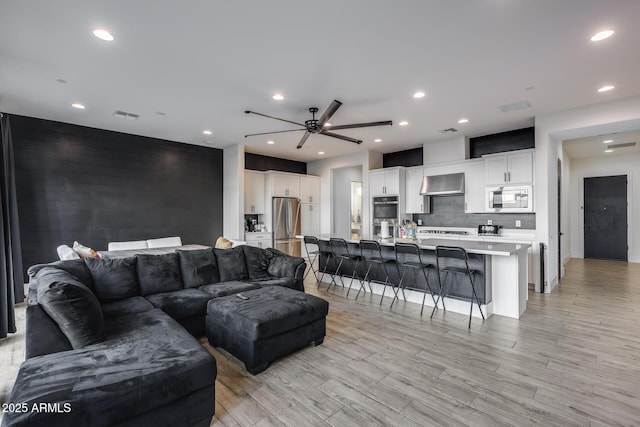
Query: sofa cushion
x: 159, y: 273
x: 283, y: 265
x: 257, y: 261
x: 114, y: 279
x: 268, y: 311
x: 124, y: 307
x: 222, y: 289
x: 146, y: 362
x: 198, y: 267
x: 181, y: 304
x: 72, y: 305
x: 231, y: 264
x: 287, y: 282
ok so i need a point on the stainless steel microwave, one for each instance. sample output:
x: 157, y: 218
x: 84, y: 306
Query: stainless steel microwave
x: 510, y: 199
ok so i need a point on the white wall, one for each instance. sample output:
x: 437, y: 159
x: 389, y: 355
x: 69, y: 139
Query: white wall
x: 447, y: 150
x: 323, y: 168
x: 551, y: 130
x: 342, y: 178
x: 566, y: 214
x: 606, y: 166
x: 233, y: 192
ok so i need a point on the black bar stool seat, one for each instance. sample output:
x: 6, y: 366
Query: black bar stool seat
x: 313, y: 254
x: 413, y: 259
x: 375, y: 257
x: 454, y: 259
x: 340, y: 252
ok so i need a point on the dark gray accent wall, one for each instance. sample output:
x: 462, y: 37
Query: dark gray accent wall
x: 518, y: 139
x: 259, y: 162
x: 448, y: 211
x: 97, y: 186
x: 408, y: 158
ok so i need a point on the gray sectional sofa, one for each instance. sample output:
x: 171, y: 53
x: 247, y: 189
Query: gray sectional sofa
x: 111, y: 341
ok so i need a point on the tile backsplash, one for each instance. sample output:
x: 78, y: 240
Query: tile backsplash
x: 448, y: 211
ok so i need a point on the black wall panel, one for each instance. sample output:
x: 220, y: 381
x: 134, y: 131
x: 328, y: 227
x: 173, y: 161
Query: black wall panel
x: 258, y: 162
x: 408, y: 158
x: 97, y: 186
x: 519, y: 139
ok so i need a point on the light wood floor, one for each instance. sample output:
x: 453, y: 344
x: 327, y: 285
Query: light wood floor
x: 572, y: 359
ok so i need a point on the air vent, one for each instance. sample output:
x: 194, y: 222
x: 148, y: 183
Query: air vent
x: 124, y: 115
x: 626, y: 144
x: 448, y: 131
x: 520, y: 105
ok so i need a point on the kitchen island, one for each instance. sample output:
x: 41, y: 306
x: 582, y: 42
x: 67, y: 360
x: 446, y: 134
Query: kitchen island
x: 501, y: 281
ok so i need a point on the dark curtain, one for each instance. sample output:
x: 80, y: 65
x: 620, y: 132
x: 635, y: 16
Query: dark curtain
x: 12, y: 285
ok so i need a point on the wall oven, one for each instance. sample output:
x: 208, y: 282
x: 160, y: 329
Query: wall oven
x: 510, y: 199
x: 385, y: 209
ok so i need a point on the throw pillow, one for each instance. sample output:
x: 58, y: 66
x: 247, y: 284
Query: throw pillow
x: 231, y: 264
x: 84, y: 251
x: 159, y: 273
x: 73, y: 307
x: 65, y: 252
x: 114, y: 279
x: 198, y: 267
x: 223, y: 243
x: 257, y: 262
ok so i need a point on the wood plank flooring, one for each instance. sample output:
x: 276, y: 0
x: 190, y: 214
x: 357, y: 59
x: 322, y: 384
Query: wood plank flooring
x: 572, y: 359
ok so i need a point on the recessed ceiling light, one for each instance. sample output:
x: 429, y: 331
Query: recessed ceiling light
x: 103, y: 34
x: 207, y: 132
x: 377, y: 140
x: 601, y: 35
x: 403, y: 123
x: 606, y: 88
x: 419, y: 94
x: 327, y: 124
x: 461, y: 121
x: 78, y: 106
x: 321, y: 152
x: 278, y: 97
x: 608, y: 151
x: 606, y: 141
x: 270, y: 142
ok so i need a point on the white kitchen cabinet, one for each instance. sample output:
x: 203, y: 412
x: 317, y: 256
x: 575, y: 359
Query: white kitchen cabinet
x: 253, y: 192
x: 414, y: 202
x: 509, y: 168
x: 474, y: 186
x: 310, y: 219
x: 258, y: 240
x: 386, y: 182
x: 309, y: 189
x: 284, y: 185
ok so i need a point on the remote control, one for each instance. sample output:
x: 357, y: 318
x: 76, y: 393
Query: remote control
x: 243, y: 297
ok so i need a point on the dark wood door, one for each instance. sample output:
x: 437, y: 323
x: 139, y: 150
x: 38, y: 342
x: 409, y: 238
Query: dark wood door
x: 605, y: 217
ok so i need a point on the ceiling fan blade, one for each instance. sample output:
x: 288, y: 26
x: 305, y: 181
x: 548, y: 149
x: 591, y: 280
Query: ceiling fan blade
x: 304, y: 139
x: 269, y: 133
x: 330, y: 111
x: 361, y: 125
x: 345, y: 138
x: 271, y: 117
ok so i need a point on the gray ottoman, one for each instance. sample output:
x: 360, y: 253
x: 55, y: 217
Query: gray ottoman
x: 272, y: 323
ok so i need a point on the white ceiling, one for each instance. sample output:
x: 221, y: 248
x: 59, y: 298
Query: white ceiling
x: 204, y: 62
x: 594, y: 146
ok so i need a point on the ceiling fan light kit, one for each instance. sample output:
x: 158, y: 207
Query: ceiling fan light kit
x: 319, y: 126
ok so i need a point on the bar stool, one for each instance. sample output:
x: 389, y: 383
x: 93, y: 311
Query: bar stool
x: 452, y: 257
x: 376, y: 258
x: 313, y: 242
x: 413, y: 259
x: 340, y: 251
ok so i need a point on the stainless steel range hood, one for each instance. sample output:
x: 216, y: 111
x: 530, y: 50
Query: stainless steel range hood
x: 442, y: 185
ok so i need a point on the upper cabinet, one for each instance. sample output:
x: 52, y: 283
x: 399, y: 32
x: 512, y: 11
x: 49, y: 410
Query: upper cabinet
x: 386, y: 182
x: 474, y: 188
x: 283, y: 184
x: 309, y: 189
x: 253, y: 192
x: 414, y: 202
x: 515, y: 167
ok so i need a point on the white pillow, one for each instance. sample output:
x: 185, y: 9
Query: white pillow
x: 121, y: 246
x: 164, y: 242
x: 65, y: 252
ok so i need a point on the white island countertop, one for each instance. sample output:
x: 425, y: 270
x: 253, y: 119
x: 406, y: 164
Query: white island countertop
x: 471, y: 246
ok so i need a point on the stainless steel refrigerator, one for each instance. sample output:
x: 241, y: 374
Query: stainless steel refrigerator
x: 286, y: 225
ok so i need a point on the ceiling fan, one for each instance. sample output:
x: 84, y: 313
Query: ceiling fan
x: 321, y: 125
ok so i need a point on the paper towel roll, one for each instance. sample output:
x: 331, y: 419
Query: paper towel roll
x: 384, y: 229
